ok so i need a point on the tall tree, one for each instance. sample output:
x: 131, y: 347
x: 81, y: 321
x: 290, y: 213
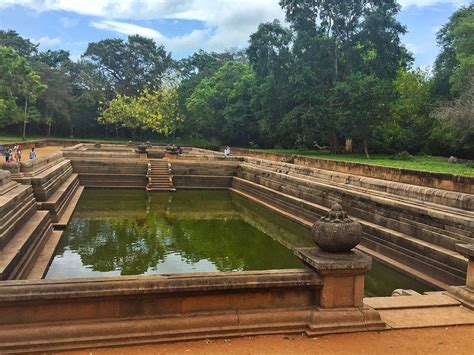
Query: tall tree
x: 459, y: 115
x: 409, y: 125
x: 221, y: 104
x: 363, y: 101
x: 337, y: 39
x: 19, y: 80
x: 270, y: 56
x: 22, y: 46
x: 130, y: 66
x: 456, y: 59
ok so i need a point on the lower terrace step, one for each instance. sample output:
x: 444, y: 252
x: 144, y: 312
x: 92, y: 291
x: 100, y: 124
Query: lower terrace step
x: 45, y: 257
x: 59, y: 201
x: 18, y: 256
x: 67, y: 214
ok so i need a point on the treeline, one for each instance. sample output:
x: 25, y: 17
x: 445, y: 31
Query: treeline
x: 338, y: 75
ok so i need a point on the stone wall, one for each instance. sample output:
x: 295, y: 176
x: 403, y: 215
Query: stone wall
x: 441, y: 181
x: 111, y: 172
x: 66, y: 314
x: 203, y: 173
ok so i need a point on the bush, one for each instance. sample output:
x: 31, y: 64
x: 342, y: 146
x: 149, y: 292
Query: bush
x: 403, y: 155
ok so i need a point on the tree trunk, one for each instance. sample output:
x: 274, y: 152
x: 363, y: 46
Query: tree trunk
x: 49, y: 129
x: 25, y: 119
x: 117, y: 131
x: 334, y: 144
x: 366, y: 150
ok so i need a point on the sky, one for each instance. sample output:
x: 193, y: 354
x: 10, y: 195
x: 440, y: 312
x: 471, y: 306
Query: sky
x: 185, y: 26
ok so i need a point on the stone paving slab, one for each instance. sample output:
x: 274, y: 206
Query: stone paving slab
x: 427, y: 317
x: 434, y: 300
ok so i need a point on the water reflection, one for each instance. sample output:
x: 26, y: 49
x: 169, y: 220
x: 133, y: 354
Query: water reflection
x: 134, y: 233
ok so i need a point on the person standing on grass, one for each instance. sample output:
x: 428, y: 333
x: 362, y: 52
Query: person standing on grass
x: 32, y: 154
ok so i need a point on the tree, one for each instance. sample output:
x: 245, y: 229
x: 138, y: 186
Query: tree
x: 221, y: 104
x: 24, y: 47
x: 54, y: 59
x: 156, y: 110
x: 456, y: 59
x: 19, y: 80
x: 336, y: 40
x: 459, y: 115
x: 270, y: 56
x: 363, y: 100
x: 130, y: 66
x: 409, y: 124
x: 54, y: 103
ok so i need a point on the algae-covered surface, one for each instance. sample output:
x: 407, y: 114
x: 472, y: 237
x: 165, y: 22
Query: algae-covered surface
x: 134, y: 232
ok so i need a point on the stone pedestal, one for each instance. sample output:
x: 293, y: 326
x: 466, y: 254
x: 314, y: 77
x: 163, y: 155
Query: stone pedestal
x: 465, y: 294
x: 342, y: 273
x: 340, y: 299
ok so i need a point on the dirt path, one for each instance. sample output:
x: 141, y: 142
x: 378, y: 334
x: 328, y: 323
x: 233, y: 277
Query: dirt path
x: 452, y: 340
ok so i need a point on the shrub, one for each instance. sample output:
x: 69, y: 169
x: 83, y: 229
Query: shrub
x: 403, y: 155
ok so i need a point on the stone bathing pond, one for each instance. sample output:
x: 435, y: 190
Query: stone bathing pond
x: 91, y: 255
x: 135, y: 232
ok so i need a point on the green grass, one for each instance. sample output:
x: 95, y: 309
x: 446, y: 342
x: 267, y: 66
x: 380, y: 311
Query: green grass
x: 423, y: 163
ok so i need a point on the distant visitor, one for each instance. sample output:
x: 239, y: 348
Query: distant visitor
x: 227, y: 152
x: 32, y: 153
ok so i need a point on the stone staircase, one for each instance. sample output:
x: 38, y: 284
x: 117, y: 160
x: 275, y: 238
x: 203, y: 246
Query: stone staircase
x: 159, y: 176
x: 23, y: 229
x: 414, y: 226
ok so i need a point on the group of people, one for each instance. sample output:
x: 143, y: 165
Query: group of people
x: 14, y: 154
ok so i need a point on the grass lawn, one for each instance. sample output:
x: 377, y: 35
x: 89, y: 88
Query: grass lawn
x: 424, y: 163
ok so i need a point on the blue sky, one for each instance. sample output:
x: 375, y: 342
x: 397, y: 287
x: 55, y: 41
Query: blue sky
x: 185, y: 26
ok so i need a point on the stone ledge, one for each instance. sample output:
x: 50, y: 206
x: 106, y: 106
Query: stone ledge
x: 129, y: 285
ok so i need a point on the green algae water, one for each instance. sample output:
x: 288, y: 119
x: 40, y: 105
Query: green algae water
x: 135, y: 232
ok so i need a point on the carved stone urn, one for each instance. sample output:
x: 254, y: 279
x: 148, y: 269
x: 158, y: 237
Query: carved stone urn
x: 142, y: 148
x: 337, y: 233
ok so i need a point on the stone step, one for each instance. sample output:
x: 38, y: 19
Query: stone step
x: 370, y: 227
x: 384, y: 212
x: 16, y: 217
x: 45, y: 257
x: 16, y: 256
x: 412, y: 194
x: 310, y: 212
x: 456, y: 216
x: 60, y: 199
x: 71, y: 206
x: 160, y: 189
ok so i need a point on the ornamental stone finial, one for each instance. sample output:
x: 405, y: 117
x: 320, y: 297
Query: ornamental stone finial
x: 337, y: 233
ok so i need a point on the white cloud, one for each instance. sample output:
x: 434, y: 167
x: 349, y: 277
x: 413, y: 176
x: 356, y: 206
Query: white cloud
x: 69, y: 22
x: 226, y: 23
x: 425, y: 3
x: 127, y: 28
x: 47, y: 41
